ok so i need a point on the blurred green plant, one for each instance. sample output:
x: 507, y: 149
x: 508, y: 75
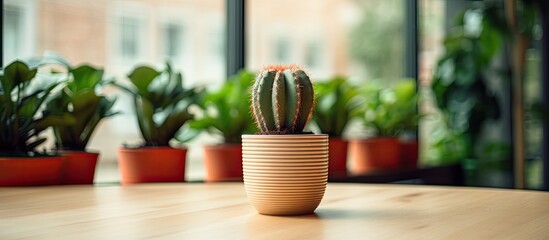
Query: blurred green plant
x: 226, y: 112
x: 459, y: 84
x: 161, y: 103
x: 337, y: 103
x: 79, y: 100
x: 391, y: 112
x: 21, y: 101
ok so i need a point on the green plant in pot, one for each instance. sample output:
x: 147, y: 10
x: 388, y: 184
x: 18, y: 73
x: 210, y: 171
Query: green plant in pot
x: 22, y: 122
x: 336, y: 105
x: 80, y: 100
x: 285, y: 169
x: 225, y: 112
x: 407, y: 99
x: 161, y: 107
x: 388, y: 112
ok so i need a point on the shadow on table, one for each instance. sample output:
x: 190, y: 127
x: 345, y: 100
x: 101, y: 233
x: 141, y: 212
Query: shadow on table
x: 335, y: 213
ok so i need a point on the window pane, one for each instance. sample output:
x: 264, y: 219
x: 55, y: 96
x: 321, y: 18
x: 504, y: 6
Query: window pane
x: 118, y: 35
x: 363, y: 39
x: 173, y: 40
x: 12, y: 37
x: 129, y: 39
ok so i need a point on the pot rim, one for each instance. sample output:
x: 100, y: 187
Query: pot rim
x: 122, y: 148
x: 305, y: 135
x: 78, y: 151
x: 26, y: 158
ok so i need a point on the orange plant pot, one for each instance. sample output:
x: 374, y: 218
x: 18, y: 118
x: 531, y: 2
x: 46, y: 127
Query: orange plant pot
x: 79, y: 167
x: 151, y: 164
x: 30, y: 171
x: 223, y: 162
x: 409, y: 154
x: 374, y: 154
x: 337, y: 156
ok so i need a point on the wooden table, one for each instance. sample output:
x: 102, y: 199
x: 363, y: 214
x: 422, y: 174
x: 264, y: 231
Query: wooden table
x: 221, y: 211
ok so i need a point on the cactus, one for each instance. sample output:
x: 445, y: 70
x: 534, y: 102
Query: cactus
x: 282, y: 100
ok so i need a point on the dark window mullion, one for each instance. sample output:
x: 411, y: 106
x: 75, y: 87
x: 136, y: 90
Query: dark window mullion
x: 235, y: 45
x: 412, y: 33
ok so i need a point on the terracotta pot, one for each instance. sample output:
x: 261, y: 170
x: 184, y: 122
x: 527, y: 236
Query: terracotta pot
x: 30, y: 171
x: 223, y: 162
x: 374, y: 154
x: 337, y: 166
x: 151, y: 164
x: 409, y: 153
x: 79, y: 167
x: 285, y: 174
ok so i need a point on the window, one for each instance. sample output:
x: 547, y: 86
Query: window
x: 313, y: 55
x: 118, y: 35
x: 19, y: 30
x: 217, y: 46
x: 12, y: 34
x: 282, y: 51
x: 344, y: 37
x: 173, y: 40
x: 129, y: 38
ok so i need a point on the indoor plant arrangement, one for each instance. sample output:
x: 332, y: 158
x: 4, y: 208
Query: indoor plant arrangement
x: 336, y: 105
x: 21, y: 125
x: 79, y: 99
x: 388, y: 112
x: 161, y: 106
x: 225, y: 112
x: 285, y: 169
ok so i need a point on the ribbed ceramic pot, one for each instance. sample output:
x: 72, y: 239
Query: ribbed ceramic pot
x: 285, y: 174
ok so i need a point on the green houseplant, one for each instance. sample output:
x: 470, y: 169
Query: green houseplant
x: 161, y: 107
x: 407, y: 100
x: 285, y: 169
x: 390, y: 113
x: 225, y: 112
x: 22, y: 123
x: 79, y: 100
x: 337, y: 104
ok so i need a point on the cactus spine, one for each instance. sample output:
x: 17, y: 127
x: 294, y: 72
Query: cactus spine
x: 282, y: 100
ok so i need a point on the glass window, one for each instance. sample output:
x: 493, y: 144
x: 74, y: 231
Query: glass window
x: 129, y: 37
x: 12, y: 34
x: 118, y: 35
x: 173, y: 40
x: 19, y: 30
x: 282, y: 51
x: 313, y: 54
x: 337, y: 37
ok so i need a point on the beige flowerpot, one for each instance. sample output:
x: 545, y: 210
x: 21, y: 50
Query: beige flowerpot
x: 285, y: 174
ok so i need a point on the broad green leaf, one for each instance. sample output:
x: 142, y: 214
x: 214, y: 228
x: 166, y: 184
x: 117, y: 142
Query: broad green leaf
x: 15, y: 74
x: 142, y: 77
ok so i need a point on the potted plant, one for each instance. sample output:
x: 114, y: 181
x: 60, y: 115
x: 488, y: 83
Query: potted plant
x: 79, y: 100
x: 21, y: 125
x: 386, y: 111
x: 225, y: 112
x: 161, y: 106
x: 285, y: 169
x: 407, y: 98
x: 336, y: 105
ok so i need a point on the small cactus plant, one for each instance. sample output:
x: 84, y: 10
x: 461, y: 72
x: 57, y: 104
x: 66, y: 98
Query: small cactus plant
x: 282, y: 100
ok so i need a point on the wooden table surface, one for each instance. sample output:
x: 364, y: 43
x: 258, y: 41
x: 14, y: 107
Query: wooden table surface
x: 221, y: 211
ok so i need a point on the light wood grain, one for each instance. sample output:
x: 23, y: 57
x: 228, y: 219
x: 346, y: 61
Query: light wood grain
x: 221, y: 211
